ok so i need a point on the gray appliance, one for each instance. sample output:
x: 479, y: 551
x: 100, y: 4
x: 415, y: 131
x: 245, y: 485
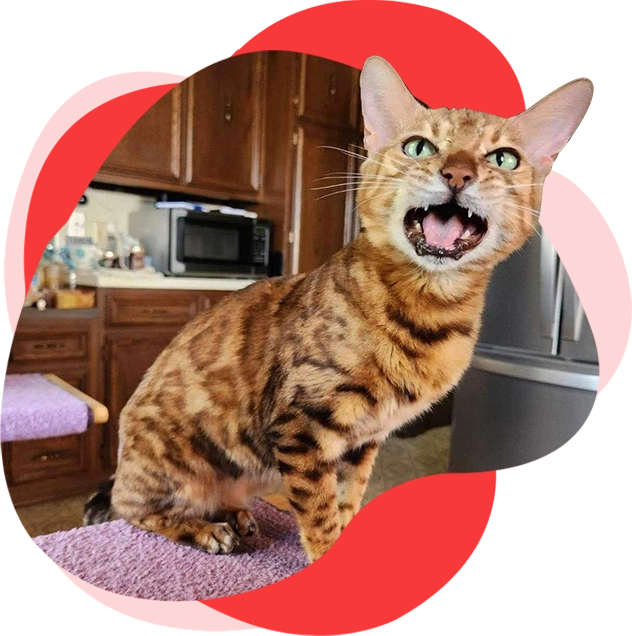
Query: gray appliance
x: 533, y: 379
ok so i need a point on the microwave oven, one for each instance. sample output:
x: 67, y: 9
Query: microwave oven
x: 183, y: 242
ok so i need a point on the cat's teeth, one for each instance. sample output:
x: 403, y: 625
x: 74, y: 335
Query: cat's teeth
x: 418, y: 226
x: 469, y: 214
x: 466, y: 234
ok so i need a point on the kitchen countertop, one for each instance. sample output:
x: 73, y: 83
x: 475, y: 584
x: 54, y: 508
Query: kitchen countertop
x: 118, y: 279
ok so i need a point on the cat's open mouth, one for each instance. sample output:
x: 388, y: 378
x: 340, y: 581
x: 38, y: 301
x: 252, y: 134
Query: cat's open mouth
x: 447, y: 230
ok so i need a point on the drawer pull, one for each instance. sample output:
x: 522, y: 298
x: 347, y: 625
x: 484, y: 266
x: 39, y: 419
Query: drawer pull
x: 154, y: 312
x: 49, y: 345
x: 44, y: 457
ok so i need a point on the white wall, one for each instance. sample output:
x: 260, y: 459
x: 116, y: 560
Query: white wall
x: 105, y: 206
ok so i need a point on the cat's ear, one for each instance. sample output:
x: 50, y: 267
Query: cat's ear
x: 545, y: 128
x: 387, y: 105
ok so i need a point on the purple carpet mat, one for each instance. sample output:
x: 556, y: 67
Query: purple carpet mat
x: 120, y: 558
x: 33, y: 408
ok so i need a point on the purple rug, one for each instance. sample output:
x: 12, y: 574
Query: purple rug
x: 33, y: 408
x: 120, y: 558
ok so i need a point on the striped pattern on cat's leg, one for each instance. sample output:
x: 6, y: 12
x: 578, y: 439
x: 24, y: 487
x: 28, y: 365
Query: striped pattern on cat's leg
x: 354, y: 470
x: 310, y: 484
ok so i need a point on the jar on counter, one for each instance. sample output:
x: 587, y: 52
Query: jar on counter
x: 137, y: 257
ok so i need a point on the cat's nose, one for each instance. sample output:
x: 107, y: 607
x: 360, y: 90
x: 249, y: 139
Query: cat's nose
x: 457, y: 177
x: 458, y: 172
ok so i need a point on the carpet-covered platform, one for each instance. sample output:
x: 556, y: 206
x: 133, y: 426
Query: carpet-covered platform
x: 120, y: 558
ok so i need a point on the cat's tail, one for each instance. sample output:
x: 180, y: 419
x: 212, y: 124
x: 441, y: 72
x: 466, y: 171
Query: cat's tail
x: 98, y: 508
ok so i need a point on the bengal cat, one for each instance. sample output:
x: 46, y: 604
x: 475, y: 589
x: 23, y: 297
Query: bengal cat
x: 294, y: 382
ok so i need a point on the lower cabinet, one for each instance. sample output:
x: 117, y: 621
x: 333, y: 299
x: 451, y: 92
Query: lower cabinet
x: 66, y: 343
x: 127, y: 358
x: 104, y: 352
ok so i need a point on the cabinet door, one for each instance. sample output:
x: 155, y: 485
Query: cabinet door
x: 329, y: 92
x: 149, y: 155
x: 128, y: 356
x: 320, y: 216
x: 225, y: 131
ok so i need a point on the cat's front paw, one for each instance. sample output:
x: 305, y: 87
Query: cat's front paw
x: 217, y: 538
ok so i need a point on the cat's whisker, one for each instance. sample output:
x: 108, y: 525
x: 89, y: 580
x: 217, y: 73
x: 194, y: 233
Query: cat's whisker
x: 368, y: 200
x: 338, y: 185
x: 525, y: 209
x: 401, y: 163
x: 358, y: 181
x: 329, y: 194
x: 358, y: 156
x: 360, y: 176
x: 520, y: 217
x: 522, y: 185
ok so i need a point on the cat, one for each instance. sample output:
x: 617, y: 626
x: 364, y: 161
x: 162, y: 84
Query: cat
x: 293, y: 382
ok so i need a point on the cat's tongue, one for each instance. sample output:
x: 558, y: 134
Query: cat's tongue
x: 440, y: 232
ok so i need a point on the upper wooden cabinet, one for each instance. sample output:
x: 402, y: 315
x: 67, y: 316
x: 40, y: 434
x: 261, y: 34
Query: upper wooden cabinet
x: 320, y: 215
x: 150, y: 153
x: 249, y: 129
x: 328, y: 92
x: 204, y: 137
x: 225, y: 126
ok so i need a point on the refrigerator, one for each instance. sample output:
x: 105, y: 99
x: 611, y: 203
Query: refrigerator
x: 533, y: 378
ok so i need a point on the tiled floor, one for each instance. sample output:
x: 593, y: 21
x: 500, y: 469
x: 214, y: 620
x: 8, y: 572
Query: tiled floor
x: 399, y: 460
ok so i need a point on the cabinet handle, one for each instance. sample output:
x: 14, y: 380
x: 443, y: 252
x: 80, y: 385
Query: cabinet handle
x: 48, y: 345
x: 154, y: 312
x: 333, y: 85
x: 44, y: 457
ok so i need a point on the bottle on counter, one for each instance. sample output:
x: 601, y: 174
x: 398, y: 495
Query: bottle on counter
x: 137, y: 257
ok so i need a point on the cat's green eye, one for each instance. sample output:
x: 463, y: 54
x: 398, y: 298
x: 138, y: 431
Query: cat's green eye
x: 418, y: 147
x: 504, y: 158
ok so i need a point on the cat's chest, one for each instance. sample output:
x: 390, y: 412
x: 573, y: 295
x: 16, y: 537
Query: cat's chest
x: 388, y: 416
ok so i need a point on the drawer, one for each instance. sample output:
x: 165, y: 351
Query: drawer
x: 39, y: 458
x: 148, y: 310
x: 42, y: 346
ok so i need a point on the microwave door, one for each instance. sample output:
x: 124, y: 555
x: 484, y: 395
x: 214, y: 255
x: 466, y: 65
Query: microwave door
x: 176, y: 265
x: 205, y: 245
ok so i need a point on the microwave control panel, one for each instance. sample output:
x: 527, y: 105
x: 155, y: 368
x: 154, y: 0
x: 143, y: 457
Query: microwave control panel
x: 260, y: 244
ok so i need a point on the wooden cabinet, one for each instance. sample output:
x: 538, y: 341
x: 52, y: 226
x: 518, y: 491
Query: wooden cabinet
x: 127, y: 358
x: 328, y: 92
x: 249, y: 129
x: 133, y: 307
x: 138, y: 325
x: 66, y: 343
x: 104, y: 352
x: 204, y: 137
x: 325, y: 133
x: 225, y: 127
x: 150, y: 153
x: 320, y: 214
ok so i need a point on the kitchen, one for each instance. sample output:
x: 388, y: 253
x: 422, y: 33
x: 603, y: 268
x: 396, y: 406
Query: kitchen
x: 256, y: 133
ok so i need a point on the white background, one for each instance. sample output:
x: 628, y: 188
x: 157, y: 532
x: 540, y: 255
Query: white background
x: 49, y: 45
